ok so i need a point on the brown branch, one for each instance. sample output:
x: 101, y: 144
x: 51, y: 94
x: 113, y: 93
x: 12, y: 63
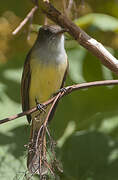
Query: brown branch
x: 25, y: 112
x: 70, y: 3
x: 29, y: 15
x: 68, y: 90
x: 84, y: 39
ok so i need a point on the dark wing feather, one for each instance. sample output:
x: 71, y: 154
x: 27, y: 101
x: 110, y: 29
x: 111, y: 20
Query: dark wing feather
x: 25, y: 83
x: 62, y: 85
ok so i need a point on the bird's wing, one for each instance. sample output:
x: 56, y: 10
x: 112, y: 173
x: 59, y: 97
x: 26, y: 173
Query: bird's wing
x: 25, y: 83
x: 55, y: 106
x: 65, y: 74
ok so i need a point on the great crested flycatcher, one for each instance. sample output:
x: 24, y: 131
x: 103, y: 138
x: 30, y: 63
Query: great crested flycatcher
x: 43, y: 75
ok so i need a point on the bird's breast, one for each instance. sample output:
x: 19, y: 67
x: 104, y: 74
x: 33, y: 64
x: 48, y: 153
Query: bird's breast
x: 46, y: 79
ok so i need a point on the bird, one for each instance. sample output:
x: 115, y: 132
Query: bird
x: 44, y: 74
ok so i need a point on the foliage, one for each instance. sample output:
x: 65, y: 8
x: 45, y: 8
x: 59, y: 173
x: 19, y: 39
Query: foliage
x: 86, y: 122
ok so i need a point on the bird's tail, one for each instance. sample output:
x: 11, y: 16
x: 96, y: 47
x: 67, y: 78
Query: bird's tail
x: 37, y: 146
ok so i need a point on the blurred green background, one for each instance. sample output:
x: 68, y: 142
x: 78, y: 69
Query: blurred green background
x: 86, y: 122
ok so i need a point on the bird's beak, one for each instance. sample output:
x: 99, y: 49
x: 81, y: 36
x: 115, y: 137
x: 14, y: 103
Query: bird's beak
x: 62, y: 31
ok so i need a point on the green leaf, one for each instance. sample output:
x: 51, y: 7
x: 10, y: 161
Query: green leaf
x: 86, y: 155
x: 76, y: 59
x: 101, y: 21
x: 14, y: 134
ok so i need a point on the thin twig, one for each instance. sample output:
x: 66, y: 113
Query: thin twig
x: 25, y: 112
x: 68, y: 90
x: 49, y: 167
x: 70, y: 3
x: 43, y: 136
x: 29, y: 15
x: 52, y: 106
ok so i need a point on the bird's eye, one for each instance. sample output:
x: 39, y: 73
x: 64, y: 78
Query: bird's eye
x: 48, y: 32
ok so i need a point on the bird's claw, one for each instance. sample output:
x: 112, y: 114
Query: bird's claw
x: 40, y: 107
x: 60, y: 91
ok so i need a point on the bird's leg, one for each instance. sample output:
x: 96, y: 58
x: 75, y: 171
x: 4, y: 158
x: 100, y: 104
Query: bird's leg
x: 60, y: 90
x: 39, y: 106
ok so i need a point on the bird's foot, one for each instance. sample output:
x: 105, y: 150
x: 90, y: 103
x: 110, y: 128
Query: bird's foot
x: 40, y: 106
x: 60, y: 90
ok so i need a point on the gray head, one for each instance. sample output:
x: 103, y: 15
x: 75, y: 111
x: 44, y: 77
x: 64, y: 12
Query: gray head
x: 50, y: 44
x: 51, y: 36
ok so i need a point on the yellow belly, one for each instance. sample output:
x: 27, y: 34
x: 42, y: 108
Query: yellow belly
x: 46, y: 79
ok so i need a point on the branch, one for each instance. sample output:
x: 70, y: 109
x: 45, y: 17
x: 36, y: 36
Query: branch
x: 78, y: 34
x: 67, y: 90
x: 26, y: 112
x: 29, y: 15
